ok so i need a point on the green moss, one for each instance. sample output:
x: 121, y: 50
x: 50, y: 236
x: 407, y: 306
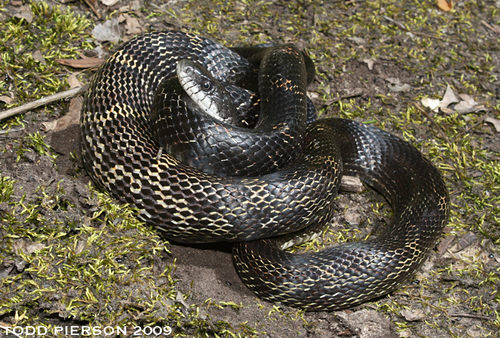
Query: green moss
x: 29, y: 51
x: 434, y: 47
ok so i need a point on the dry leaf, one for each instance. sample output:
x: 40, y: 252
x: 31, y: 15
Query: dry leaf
x: 369, y: 63
x: 109, y: 2
x: 393, y: 80
x: 413, y: 315
x: 467, y: 98
x: 72, y: 117
x: 73, y: 81
x: 26, y: 247
x: 81, y: 63
x: 351, y: 184
x: 82, y: 243
x: 399, y: 88
x: 108, y: 31
x: 49, y: 126
x: 6, y: 99
x: 134, y: 5
x: 24, y: 12
x: 358, y: 40
x: 494, y: 122
x: 432, y: 104
x: 448, y: 98
x: 37, y: 56
x: 445, y: 5
x: 132, y: 26
x: 467, y: 105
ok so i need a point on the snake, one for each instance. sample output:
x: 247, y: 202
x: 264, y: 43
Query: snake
x: 258, y: 213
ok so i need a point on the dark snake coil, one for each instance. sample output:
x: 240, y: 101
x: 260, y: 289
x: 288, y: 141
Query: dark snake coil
x: 122, y: 157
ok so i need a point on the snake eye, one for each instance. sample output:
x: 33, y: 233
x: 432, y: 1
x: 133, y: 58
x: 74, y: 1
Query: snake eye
x: 206, y: 86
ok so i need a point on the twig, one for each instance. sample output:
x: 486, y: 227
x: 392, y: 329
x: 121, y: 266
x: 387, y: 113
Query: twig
x: 43, y: 101
x: 431, y: 120
x: 479, y: 122
x: 469, y: 315
x: 92, y: 7
x: 356, y: 92
x: 403, y: 27
x: 10, y: 131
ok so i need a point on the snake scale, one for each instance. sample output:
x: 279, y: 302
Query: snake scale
x: 121, y: 156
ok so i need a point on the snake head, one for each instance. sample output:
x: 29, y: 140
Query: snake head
x: 206, y: 92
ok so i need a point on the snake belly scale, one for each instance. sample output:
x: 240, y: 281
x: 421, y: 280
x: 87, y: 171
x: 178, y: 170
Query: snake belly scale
x: 122, y: 157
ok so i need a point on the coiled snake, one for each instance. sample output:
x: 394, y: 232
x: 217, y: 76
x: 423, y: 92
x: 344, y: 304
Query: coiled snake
x: 122, y: 157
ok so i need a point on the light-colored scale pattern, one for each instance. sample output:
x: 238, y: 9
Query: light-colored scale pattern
x: 349, y: 274
x: 189, y: 206
x: 121, y: 156
x: 202, y: 141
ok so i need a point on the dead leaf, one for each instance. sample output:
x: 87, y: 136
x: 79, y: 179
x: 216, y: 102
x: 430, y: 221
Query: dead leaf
x: 472, y: 109
x: 73, y: 81
x: 467, y: 98
x: 80, y: 246
x: 71, y: 118
x: 26, y: 247
x: 432, y: 104
x: 37, y: 56
x: 448, y: 98
x: 393, y: 80
x: 25, y: 13
x: 413, y: 315
x: 49, y: 125
x: 81, y: 63
x: 358, y: 40
x: 351, y: 184
x: 108, y: 31
x: 132, y: 26
x: 134, y: 5
x: 369, y: 63
x: 101, y: 53
x: 180, y: 299
x: 445, y: 244
x: 109, y: 2
x: 395, y: 85
x: 405, y: 333
x: 399, y: 24
x: 445, y: 5
x: 6, y: 99
x: 494, y: 122
x: 467, y: 105
x: 399, y: 88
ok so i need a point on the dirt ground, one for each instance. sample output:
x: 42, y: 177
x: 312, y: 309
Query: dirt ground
x: 376, y: 61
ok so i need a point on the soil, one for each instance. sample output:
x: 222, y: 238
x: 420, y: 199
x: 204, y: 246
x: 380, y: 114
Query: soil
x: 441, y: 301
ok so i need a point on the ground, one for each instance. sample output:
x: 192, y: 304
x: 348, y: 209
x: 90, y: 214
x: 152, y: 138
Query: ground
x: 72, y: 257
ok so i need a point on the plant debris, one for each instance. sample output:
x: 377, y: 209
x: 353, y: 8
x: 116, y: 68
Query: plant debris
x: 72, y: 256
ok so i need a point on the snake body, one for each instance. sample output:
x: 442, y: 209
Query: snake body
x: 188, y: 205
